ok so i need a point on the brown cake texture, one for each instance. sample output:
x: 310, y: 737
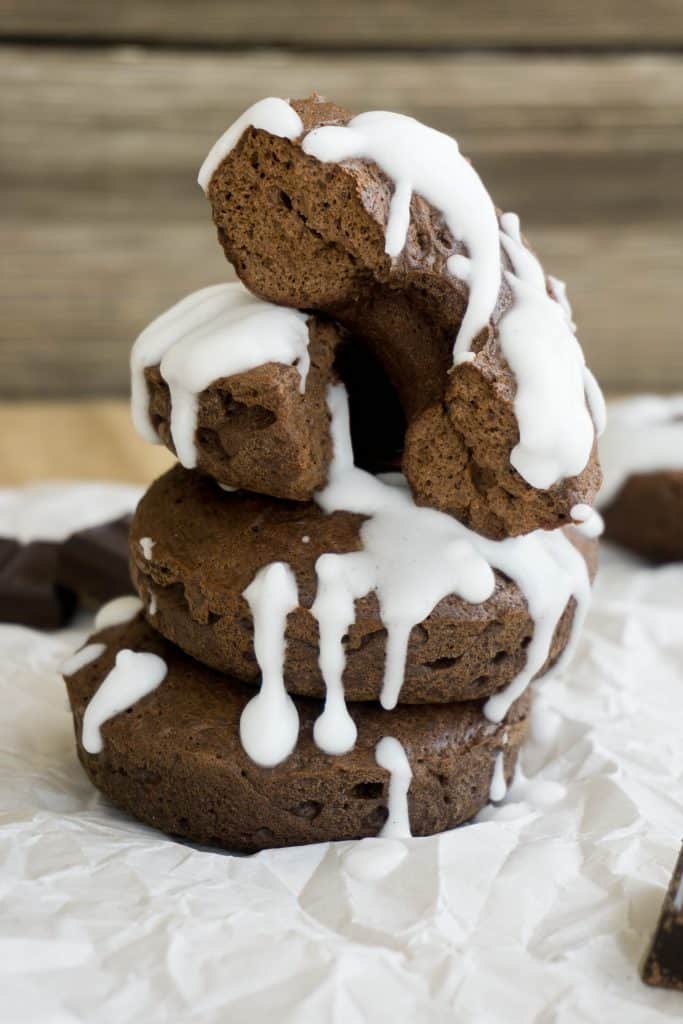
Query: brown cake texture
x: 255, y: 429
x: 646, y: 515
x: 209, y: 545
x: 311, y: 235
x: 175, y: 761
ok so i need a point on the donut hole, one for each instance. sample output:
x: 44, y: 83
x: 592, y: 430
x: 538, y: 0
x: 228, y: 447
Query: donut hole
x: 377, y: 421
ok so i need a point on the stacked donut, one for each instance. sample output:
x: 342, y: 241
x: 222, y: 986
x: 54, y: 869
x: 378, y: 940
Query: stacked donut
x: 365, y: 553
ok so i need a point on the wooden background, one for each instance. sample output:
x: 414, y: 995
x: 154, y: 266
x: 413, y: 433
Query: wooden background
x: 572, y: 112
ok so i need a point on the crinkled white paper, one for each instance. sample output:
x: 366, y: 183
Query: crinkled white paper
x: 534, y: 914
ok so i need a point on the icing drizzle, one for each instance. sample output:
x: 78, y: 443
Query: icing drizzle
x: 422, y: 160
x: 412, y: 557
x: 391, y: 756
x: 83, y: 657
x: 556, y: 431
x: 216, y: 332
x: 536, y: 334
x: 269, y: 724
x: 133, y: 676
x: 498, y: 787
x: 116, y: 612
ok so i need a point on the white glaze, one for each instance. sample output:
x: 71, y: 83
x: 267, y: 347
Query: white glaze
x: 273, y: 115
x: 412, y: 557
x: 374, y: 858
x: 146, y: 546
x: 117, y: 612
x: 535, y: 334
x: 269, y: 724
x: 216, y: 332
x: 644, y: 435
x: 390, y: 755
x: 341, y: 579
x: 498, y: 787
x: 83, y: 657
x: 594, y: 396
x: 133, y: 677
x: 560, y: 292
x: 587, y: 521
x: 152, y: 605
x: 596, y: 401
x: 549, y: 571
x: 427, y: 162
x: 555, y: 426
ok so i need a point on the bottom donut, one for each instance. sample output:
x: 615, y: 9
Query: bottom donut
x: 173, y: 758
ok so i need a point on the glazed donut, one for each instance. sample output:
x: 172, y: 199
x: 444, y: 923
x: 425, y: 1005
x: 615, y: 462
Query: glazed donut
x: 174, y: 759
x: 642, y: 497
x: 237, y: 388
x: 380, y: 223
x: 204, y: 548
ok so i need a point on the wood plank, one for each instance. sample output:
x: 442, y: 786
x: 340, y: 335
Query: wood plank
x: 354, y: 23
x: 74, y: 440
x: 103, y: 224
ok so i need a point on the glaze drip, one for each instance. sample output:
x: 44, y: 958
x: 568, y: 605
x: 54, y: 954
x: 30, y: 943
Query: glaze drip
x: 133, y: 677
x: 556, y: 431
x: 412, y: 557
x: 390, y: 755
x: 117, y: 612
x: 269, y: 725
x: 424, y: 161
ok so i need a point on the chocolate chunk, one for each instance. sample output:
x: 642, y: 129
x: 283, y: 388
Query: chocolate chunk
x: 94, y: 563
x: 29, y: 593
x: 664, y: 962
x: 8, y: 548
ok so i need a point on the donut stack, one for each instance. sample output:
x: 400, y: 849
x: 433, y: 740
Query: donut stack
x: 365, y: 553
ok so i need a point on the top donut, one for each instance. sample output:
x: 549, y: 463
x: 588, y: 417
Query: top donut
x: 379, y: 223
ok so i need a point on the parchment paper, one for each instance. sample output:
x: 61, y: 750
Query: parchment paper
x: 540, y: 912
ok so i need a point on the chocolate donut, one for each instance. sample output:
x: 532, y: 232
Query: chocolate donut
x: 174, y: 760
x: 642, y: 498
x: 379, y: 222
x: 214, y: 379
x: 208, y: 546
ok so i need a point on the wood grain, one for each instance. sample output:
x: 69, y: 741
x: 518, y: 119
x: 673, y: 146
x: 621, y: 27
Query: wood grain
x: 354, y: 23
x: 103, y: 224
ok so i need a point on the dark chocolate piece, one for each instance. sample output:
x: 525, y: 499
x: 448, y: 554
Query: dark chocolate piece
x: 29, y: 593
x: 8, y: 548
x: 94, y: 563
x: 664, y: 962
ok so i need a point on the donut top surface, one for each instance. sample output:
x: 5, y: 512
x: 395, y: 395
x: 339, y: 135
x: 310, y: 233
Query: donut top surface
x: 506, y: 291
